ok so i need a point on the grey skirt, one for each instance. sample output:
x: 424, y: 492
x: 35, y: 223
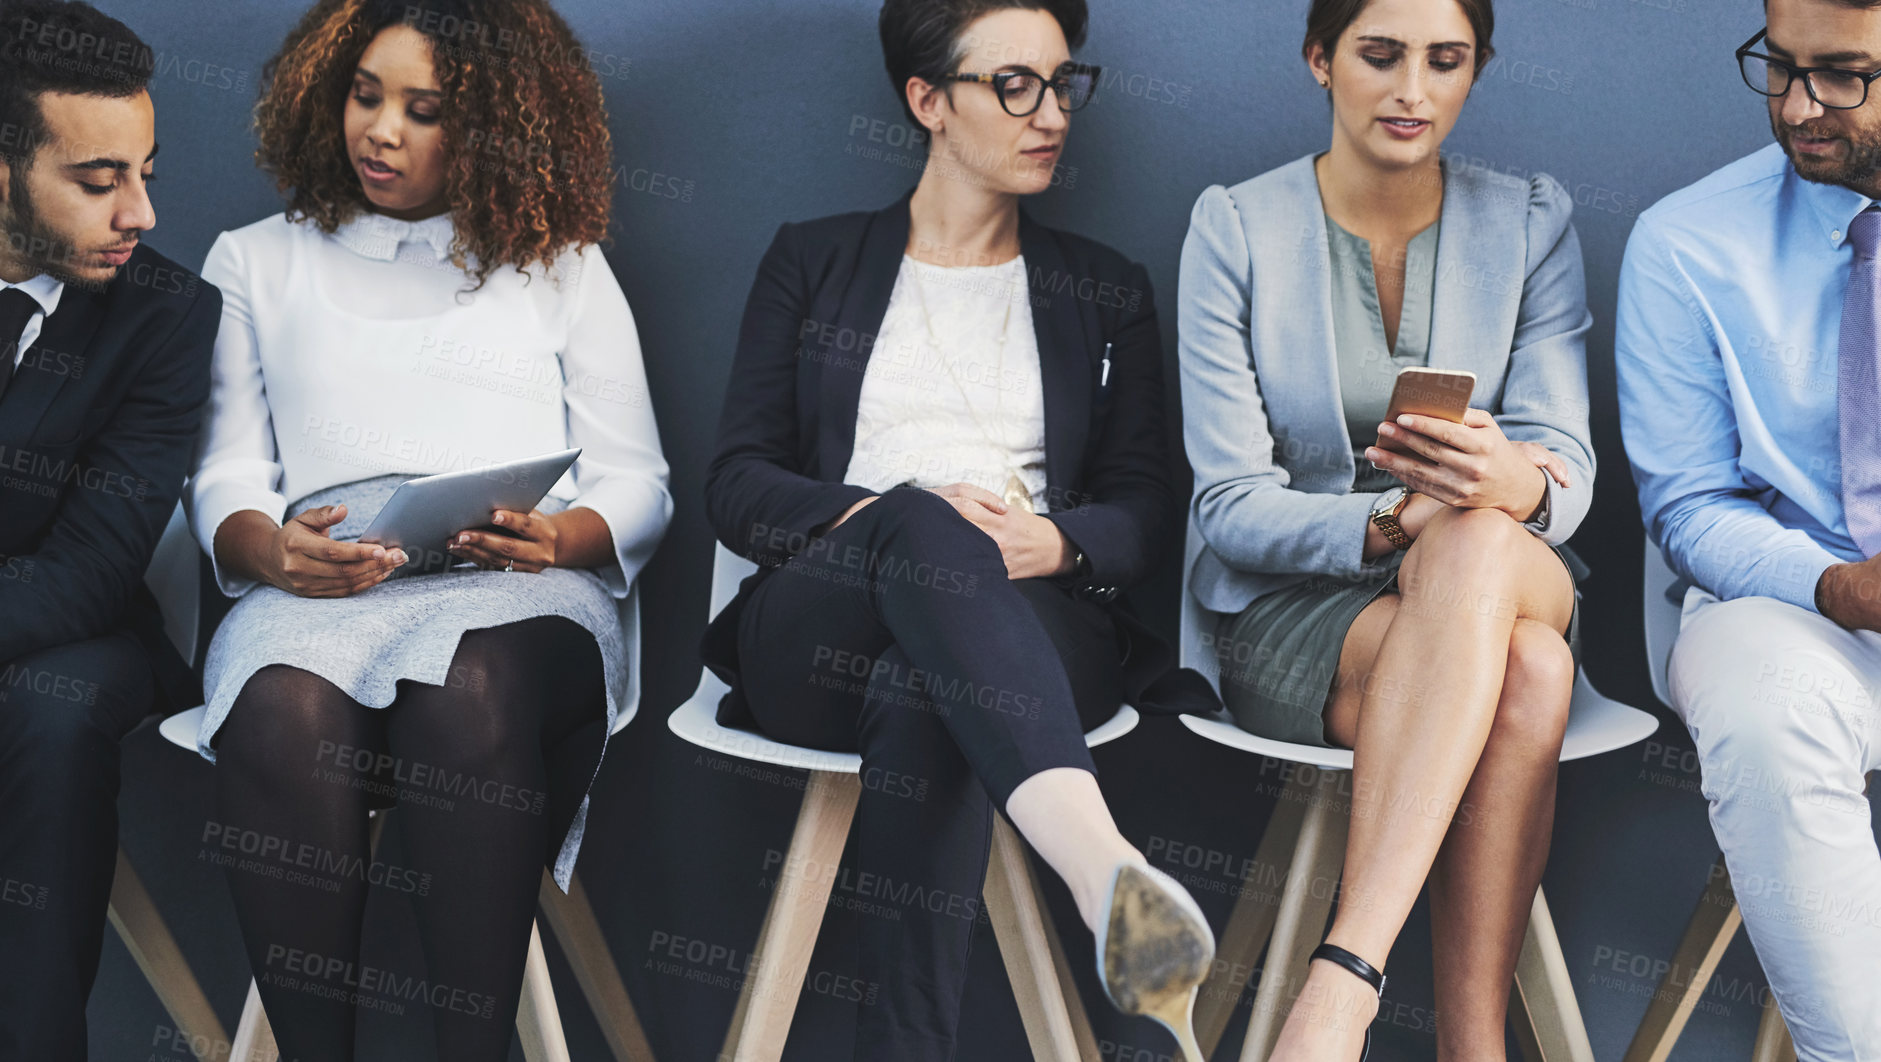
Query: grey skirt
x: 1280, y: 655
x: 406, y: 627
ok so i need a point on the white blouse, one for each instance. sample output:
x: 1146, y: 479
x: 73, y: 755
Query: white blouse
x: 359, y: 354
x: 953, y: 413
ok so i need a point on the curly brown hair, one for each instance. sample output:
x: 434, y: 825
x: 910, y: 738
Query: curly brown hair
x: 529, y: 171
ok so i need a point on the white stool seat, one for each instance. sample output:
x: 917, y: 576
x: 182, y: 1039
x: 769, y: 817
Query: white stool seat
x: 181, y: 729
x: 1596, y: 724
x: 696, y: 722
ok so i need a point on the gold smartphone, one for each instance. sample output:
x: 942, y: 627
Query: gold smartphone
x: 1441, y: 394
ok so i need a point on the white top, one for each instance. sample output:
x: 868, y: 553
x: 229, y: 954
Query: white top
x: 931, y: 415
x: 362, y: 354
x: 46, y: 292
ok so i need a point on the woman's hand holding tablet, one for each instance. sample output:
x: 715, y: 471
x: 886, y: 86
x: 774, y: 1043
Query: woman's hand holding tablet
x: 438, y: 517
x: 528, y: 546
x: 301, y: 558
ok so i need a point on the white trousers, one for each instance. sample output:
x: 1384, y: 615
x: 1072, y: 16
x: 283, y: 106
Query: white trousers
x: 1782, y: 705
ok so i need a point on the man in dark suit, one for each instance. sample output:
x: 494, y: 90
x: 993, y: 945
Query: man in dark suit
x: 104, y: 375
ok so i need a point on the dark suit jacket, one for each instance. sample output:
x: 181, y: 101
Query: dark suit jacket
x: 96, y: 432
x: 788, y: 426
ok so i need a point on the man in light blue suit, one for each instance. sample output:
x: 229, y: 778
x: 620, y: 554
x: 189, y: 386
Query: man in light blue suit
x: 1748, y: 360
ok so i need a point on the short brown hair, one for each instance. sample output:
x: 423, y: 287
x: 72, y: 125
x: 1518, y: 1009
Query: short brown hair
x: 925, y: 38
x: 513, y: 74
x: 1329, y: 19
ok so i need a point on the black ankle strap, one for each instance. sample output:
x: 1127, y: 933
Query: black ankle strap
x: 1352, y: 964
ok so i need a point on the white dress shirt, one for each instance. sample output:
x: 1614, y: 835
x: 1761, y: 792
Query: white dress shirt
x: 953, y: 413
x: 46, y: 292
x: 363, y: 353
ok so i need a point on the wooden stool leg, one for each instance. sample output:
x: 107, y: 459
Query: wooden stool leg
x: 254, y: 1038
x: 538, y: 1021
x: 1773, y: 1037
x: 154, y: 950
x: 1547, y: 1018
x: 1067, y: 985
x: 1713, y: 923
x: 1318, y: 857
x: 1019, y: 924
x: 1251, y: 922
x: 571, y: 920
x: 768, y: 1000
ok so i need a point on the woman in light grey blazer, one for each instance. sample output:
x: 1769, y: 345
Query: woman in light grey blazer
x: 1417, y: 611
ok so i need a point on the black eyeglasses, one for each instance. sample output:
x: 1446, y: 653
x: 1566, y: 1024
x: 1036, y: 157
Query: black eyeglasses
x: 1838, y: 90
x: 1021, y: 92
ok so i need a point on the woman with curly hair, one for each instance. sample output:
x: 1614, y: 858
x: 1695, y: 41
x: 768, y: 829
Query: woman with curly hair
x: 432, y: 300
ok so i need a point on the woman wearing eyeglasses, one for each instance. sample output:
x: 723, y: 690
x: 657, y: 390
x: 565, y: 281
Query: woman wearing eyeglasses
x: 943, y: 443
x: 1391, y: 587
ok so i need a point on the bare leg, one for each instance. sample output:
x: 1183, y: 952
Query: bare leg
x: 1063, y: 814
x: 1491, y: 863
x: 1419, y: 719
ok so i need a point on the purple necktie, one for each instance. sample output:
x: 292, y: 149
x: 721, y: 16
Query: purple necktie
x: 1858, y: 391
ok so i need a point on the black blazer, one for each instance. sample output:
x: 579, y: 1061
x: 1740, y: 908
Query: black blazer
x: 788, y: 426
x: 96, y: 433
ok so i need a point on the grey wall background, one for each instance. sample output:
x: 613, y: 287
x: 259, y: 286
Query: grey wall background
x: 730, y: 117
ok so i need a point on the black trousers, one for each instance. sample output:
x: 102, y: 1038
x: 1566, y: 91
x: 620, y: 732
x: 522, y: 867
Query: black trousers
x: 898, y: 635
x: 63, y: 711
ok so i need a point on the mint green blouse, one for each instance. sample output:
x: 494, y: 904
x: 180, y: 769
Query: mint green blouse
x: 1368, y: 370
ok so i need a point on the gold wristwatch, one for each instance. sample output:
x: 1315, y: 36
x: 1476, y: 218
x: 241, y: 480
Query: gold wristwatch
x: 1385, y: 515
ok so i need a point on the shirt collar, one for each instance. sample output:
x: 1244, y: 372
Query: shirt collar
x: 44, y: 288
x: 379, y: 237
x: 1835, y: 205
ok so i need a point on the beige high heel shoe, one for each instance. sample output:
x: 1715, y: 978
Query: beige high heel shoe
x: 1153, y: 950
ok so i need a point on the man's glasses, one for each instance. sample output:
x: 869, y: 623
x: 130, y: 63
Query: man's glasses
x: 1021, y: 92
x: 1839, y: 90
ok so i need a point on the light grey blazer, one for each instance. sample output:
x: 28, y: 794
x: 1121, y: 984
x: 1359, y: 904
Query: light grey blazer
x: 1262, y: 416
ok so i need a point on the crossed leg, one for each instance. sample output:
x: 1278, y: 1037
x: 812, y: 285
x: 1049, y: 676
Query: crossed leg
x: 1453, y: 694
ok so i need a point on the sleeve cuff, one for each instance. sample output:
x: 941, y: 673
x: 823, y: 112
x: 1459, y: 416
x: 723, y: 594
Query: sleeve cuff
x: 1368, y: 568
x: 636, y: 524
x: 212, y: 509
x: 1544, y: 517
x: 1801, y: 590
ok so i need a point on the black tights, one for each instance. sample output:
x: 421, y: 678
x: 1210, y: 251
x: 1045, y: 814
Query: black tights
x: 487, y: 771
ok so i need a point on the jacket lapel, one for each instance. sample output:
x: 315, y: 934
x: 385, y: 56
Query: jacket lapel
x: 67, y: 331
x: 864, y: 305
x: 1292, y: 316
x: 1065, y: 353
x: 1477, y: 265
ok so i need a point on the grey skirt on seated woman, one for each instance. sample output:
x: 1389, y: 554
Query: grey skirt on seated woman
x: 1284, y: 591
x: 407, y: 629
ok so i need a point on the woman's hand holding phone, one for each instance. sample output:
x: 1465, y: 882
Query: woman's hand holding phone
x: 1471, y: 465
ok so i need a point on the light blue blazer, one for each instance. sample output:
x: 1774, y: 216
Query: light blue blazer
x: 1262, y: 417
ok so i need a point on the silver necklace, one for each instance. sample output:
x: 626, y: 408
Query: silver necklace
x: 1016, y: 495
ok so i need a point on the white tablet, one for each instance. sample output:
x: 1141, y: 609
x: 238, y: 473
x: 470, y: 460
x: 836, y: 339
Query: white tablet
x: 422, y: 514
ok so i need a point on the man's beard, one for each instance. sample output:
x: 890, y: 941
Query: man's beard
x: 1859, y: 168
x: 42, y: 248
